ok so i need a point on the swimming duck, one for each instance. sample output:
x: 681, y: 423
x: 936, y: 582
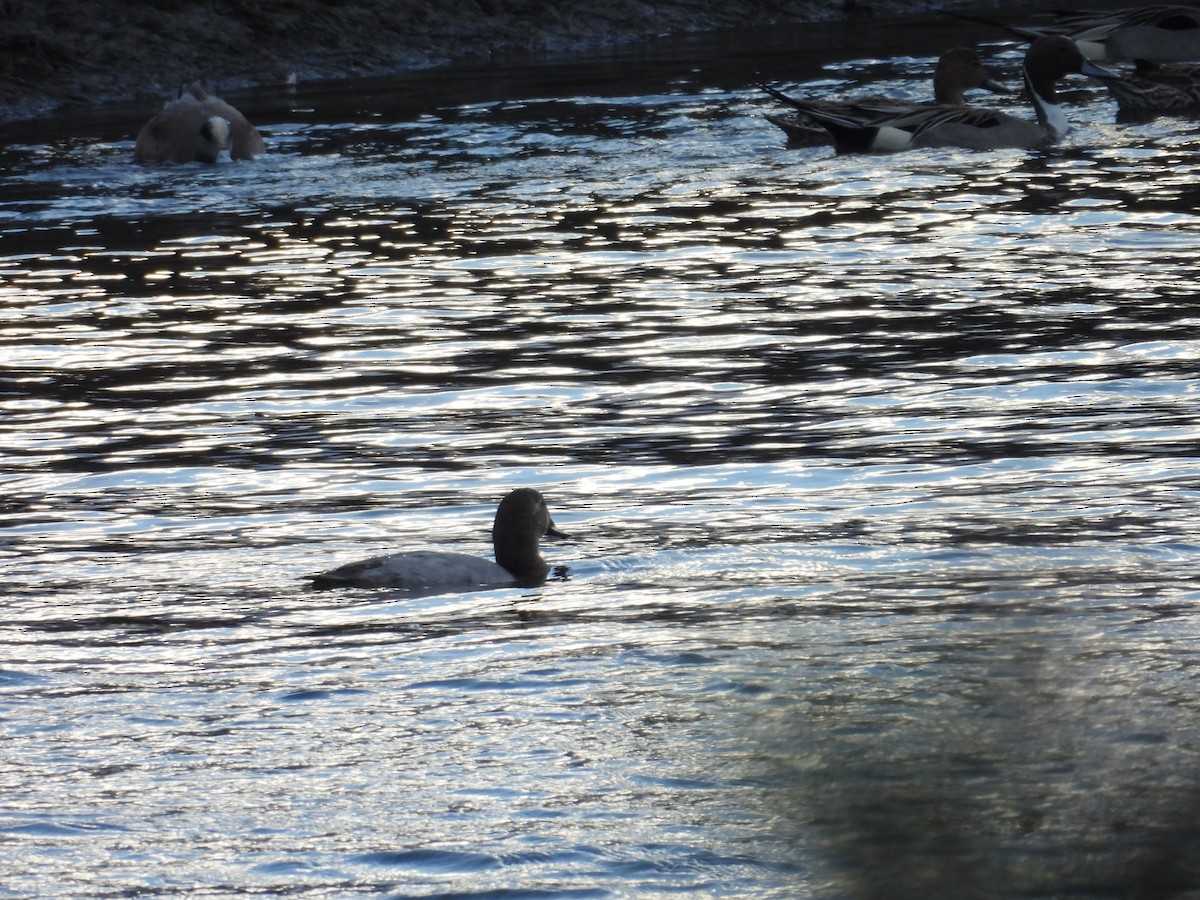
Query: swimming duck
x: 1156, y: 33
x: 866, y: 128
x: 522, y: 519
x: 1154, y: 90
x: 958, y: 70
x: 196, y: 125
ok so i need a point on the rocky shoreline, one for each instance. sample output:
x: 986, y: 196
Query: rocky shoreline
x: 59, y: 53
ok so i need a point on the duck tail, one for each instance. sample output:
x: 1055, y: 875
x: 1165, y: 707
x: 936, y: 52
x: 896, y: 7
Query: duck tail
x: 850, y: 134
x: 780, y: 95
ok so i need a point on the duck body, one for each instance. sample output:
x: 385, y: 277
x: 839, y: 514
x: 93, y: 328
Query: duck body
x: 419, y: 572
x: 1155, y: 90
x: 859, y: 128
x: 197, y: 126
x: 875, y: 131
x: 522, y: 520
x: 958, y: 70
x: 1158, y: 33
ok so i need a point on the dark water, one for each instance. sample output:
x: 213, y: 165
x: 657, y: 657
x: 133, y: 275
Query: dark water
x: 881, y: 472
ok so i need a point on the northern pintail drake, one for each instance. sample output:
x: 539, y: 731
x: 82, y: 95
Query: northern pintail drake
x: 1154, y: 90
x: 1157, y: 33
x: 958, y: 70
x: 858, y: 129
x: 196, y: 126
x: 522, y: 520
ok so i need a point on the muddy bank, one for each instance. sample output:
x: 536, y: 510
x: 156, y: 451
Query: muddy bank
x: 55, y: 53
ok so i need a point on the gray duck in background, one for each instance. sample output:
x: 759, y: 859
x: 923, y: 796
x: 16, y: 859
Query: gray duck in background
x: 958, y: 70
x: 1156, y: 33
x: 1154, y: 90
x: 889, y: 129
x: 197, y: 126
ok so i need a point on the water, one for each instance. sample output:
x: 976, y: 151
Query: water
x: 881, y: 475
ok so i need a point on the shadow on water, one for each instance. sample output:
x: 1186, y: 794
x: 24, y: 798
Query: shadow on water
x: 1038, y: 779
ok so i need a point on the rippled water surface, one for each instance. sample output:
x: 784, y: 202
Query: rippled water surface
x: 881, y: 476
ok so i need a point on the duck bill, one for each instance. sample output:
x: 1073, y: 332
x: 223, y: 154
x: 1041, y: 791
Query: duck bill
x: 991, y: 84
x: 553, y: 532
x: 1095, y: 71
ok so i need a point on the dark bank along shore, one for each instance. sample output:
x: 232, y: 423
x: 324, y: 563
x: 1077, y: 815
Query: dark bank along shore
x: 57, y: 54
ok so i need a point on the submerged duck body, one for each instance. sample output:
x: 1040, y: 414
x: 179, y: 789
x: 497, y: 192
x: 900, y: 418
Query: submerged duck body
x: 865, y: 128
x: 958, y: 70
x: 1155, y: 90
x: 522, y: 520
x: 197, y: 126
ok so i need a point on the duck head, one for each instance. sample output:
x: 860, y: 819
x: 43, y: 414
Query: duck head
x: 1049, y: 59
x: 212, y: 137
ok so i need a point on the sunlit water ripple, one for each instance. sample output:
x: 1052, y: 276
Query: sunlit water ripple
x: 880, y: 475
